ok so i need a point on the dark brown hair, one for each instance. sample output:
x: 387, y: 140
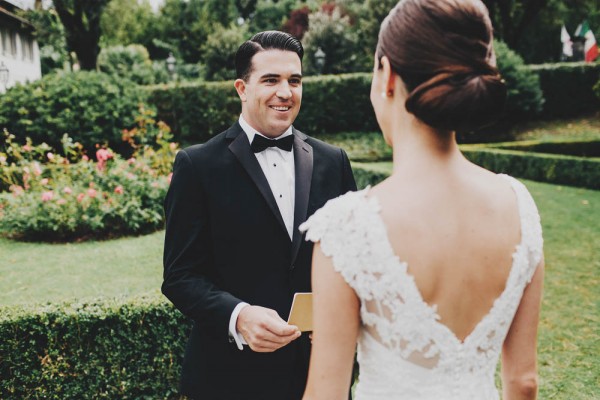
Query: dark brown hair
x: 442, y: 50
x: 264, y: 41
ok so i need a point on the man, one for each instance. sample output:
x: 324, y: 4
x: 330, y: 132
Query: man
x: 233, y: 254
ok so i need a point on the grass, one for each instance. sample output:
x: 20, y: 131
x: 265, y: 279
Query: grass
x: 37, y: 273
x: 370, y: 146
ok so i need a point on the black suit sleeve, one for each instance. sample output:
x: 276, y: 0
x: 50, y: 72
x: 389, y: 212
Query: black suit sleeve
x: 187, y: 259
x: 348, y: 183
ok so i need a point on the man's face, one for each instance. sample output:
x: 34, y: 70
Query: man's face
x: 272, y: 94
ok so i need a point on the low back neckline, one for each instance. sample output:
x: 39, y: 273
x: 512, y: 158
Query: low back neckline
x: 432, y: 308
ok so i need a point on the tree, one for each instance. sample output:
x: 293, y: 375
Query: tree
x: 511, y: 17
x: 81, y: 20
x: 127, y: 22
x: 50, y: 36
x: 333, y: 34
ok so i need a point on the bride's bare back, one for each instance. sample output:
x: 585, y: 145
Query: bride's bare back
x: 457, y: 233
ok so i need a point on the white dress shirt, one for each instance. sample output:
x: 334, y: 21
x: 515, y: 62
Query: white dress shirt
x: 278, y: 167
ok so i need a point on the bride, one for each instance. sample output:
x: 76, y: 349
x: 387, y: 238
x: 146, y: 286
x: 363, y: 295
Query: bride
x: 438, y: 270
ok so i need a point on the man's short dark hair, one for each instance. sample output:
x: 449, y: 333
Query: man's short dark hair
x: 267, y: 40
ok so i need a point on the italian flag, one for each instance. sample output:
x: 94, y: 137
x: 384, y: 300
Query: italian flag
x: 590, y: 46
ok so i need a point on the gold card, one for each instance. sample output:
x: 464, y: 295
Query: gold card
x: 301, y: 312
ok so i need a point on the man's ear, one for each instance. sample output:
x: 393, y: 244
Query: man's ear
x: 240, y: 87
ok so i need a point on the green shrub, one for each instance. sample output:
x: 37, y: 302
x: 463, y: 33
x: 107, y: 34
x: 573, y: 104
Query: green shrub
x: 219, y: 51
x: 131, y: 62
x: 92, y: 107
x: 568, y: 88
x: 110, y: 349
x: 330, y: 104
x: 578, y: 148
x: 524, y: 99
x: 196, y: 111
x: 370, y: 174
x: 551, y: 168
x: 65, y: 197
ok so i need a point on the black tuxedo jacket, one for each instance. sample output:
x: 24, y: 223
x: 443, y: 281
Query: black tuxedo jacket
x: 226, y: 242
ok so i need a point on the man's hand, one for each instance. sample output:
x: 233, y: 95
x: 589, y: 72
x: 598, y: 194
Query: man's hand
x: 264, y: 330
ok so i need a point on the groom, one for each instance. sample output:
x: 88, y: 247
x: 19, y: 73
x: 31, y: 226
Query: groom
x: 233, y: 254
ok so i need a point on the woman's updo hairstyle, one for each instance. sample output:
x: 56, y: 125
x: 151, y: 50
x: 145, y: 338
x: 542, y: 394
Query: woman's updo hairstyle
x: 442, y: 50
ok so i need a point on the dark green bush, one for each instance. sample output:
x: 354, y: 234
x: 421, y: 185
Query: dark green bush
x: 369, y: 174
x: 551, y: 168
x: 578, y: 148
x: 196, y: 111
x: 92, y: 107
x: 330, y: 104
x: 109, y: 349
x: 568, y: 88
x: 132, y: 62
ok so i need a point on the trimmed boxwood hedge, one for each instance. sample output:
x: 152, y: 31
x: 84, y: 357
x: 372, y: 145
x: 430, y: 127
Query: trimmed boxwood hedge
x: 340, y: 103
x: 108, y: 349
x: 551, y: 168
x: 568, y: 88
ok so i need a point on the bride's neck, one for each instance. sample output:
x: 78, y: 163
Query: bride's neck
x: 419, y: 150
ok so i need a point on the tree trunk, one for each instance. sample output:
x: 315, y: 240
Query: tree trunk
x: 81, y: 20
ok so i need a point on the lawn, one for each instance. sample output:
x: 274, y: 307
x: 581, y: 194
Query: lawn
x: 35, y: 272
x: 569, y: 344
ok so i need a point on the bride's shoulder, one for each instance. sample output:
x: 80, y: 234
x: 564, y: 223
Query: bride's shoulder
x: 336, y: 215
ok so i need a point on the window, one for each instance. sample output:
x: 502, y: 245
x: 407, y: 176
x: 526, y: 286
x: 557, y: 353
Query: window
x: 26, y: 48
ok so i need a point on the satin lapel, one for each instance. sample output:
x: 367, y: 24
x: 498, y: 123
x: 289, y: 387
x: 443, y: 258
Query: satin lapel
x: 240, y: 147
x: 303, y: 163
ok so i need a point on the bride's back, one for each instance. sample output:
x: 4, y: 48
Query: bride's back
x: 457, y: 233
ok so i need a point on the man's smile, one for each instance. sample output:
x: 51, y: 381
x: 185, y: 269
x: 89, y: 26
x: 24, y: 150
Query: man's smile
x: 281, y: 108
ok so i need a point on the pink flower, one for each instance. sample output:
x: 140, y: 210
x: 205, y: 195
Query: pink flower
x: 169, y: 177
x: 2, y: 159
x: 80, y: 197
x: 44, y: 181
x: 85, y: 158
x: 130, y: 176
x: 50, y: 156
x: 154, y: 184
x: 67, y: 190
x: 172, y: 145
x: 37, y: 171
x: 61, y: 202
x: 47, y: 196
x: 131, y: 161
x: 119, y: 189
x: 16, y: 189
x: 27, y: 148
x: 103, y: 155
x: 92, y: 192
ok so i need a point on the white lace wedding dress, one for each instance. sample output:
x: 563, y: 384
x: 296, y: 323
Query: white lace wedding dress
x: 403, y: 350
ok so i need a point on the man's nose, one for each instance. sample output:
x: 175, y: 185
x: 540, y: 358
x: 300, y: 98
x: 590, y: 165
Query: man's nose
x: 284, y: 92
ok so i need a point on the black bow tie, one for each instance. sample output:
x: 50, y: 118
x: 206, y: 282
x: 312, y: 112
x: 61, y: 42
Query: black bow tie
x: 260, y: 143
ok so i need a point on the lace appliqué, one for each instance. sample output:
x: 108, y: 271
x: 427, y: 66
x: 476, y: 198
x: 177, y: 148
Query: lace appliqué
x: 394, y: 316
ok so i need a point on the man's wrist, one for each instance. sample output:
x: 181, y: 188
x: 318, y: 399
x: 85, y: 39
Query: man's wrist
x: 233, y: 333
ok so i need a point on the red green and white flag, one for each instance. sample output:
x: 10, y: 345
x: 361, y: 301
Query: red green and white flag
x: 590, y: 47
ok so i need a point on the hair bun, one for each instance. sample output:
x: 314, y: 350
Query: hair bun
x: 459, y: 98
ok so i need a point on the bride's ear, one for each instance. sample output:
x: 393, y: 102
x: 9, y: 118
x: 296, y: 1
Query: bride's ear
x: 388, y: 77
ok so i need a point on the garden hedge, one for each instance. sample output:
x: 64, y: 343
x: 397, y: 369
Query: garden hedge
x: 340, y: 103
x: 568, y: 88
x: 108, y: 349
x: 541, y: 167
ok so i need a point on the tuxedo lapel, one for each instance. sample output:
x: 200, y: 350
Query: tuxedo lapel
x: 240, y: 147
x: 303, y: 165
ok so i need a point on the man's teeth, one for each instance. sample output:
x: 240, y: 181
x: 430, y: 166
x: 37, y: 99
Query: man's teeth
x: 280, y: 108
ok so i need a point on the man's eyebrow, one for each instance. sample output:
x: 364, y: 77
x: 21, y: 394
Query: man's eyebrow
x: 266, y: 76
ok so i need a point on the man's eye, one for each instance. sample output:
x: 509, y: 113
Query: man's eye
x: 271, y: 80
x: 295, y: 81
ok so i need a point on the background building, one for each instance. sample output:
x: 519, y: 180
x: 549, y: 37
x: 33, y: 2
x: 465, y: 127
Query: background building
x: 19, y: 52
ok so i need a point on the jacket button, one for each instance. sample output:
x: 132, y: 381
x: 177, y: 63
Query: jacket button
x: 292, y: 267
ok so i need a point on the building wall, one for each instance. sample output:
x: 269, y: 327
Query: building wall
x: 20, y: 54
